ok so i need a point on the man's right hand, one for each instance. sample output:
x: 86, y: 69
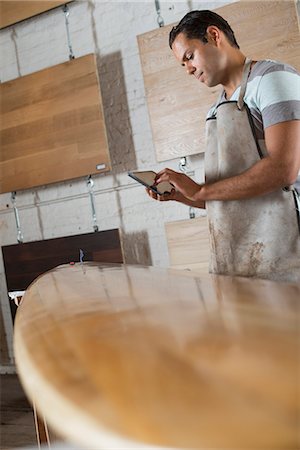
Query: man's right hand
x: 175, y: 196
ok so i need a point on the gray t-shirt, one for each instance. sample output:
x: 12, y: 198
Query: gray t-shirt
x: 272, y: 95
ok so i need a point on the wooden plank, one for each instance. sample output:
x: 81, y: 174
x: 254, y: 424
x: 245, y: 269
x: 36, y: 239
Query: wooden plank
x: 188, y: 244
x: 53, y: 112
x: 25, y: 262
x: 12, y: 11
x: 177, y: 103
x: 121, y: 356
x: 17, y: 424
x: 4, y: 356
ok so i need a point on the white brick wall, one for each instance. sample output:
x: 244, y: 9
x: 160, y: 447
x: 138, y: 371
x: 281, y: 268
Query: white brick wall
x: 108, y: 28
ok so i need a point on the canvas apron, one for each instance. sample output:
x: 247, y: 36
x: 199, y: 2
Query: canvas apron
x: 259, y: 237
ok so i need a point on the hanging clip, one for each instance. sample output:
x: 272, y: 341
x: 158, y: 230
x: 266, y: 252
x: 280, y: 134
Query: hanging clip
x: 90, y: 185
x: 67, y: 13
x: 160, y: 20
x: 183, y: 164
x: 192, y: 212
x: 20, y: 238
x: 81, y: 256
x: 183, y: 167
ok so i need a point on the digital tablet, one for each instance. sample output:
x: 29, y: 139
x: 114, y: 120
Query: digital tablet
x: 147, y: 178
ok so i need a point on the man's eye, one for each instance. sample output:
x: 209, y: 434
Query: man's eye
x: 189, y: 57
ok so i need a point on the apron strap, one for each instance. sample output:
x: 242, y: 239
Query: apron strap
x: 245, y: 76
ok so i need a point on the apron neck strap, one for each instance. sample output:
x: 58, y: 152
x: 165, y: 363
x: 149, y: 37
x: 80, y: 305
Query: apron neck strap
x: 246, y: 71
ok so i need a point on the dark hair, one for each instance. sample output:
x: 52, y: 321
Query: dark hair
x: 195, y: 23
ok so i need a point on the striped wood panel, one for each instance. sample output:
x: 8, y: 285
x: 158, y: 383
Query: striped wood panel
x: 52, y: 126
x: 188, y: 244
x: 14, y: 11
x: 178, y: 103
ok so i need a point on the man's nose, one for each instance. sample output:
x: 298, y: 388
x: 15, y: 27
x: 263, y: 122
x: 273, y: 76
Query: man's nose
x: 190, y: 68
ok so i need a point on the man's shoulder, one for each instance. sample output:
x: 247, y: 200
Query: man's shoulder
x: 271, y: 82
x: 267, y: 66
x: 273, y: 92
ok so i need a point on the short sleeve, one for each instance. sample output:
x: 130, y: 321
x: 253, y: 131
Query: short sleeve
x: 278, y: 95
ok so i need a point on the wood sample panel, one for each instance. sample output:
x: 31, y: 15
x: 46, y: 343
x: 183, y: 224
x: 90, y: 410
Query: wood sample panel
x: 188, y: 244
x: 25, y: 262
x: 14, y: 11
x: 52, y: 126
x: 178, y: 103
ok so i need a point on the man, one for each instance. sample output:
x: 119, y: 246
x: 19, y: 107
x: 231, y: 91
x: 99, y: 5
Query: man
x: 252, y: 157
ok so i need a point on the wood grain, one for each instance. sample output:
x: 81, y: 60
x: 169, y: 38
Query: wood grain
x: 116, y: 356
x: 12, y: 11
x: 52, y: 126
x: 177, y: 103
x: 188, y: 244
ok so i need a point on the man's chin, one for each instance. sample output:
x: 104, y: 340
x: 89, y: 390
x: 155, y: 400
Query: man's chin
x: 211, y: 83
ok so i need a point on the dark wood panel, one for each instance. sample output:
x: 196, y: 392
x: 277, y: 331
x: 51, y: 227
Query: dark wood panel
x: 4, y: 356
x: 17, y: 424
x: 24, y: 262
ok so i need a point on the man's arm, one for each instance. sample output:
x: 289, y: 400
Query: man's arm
x: 277, y: 170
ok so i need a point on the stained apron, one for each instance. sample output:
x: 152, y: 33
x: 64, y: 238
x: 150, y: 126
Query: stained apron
x: 257, y: 237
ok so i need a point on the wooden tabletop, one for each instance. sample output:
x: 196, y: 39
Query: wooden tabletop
x: 119, y: 356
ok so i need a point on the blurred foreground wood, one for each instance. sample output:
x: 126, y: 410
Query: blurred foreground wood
x: 123, y: 356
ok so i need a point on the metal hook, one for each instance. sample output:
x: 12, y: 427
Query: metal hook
x: 81, y: 256
x: 160, y: 20
x: 183, y: 164
x: 20, y: 238
x: 183, y: 167
x: 192, y: 212
x: 90, y: 185
x: 67, y: 13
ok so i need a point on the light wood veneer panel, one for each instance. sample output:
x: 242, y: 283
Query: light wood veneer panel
x: 177, y: 103
x: 188, y: 244
x: 52, y: 126
x: 14, y: 11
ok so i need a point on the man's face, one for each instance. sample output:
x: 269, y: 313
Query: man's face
x: 203, y: 60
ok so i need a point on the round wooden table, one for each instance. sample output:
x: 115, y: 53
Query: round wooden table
x: 119, y: 356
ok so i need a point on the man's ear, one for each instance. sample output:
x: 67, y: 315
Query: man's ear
x: 213, y: 35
